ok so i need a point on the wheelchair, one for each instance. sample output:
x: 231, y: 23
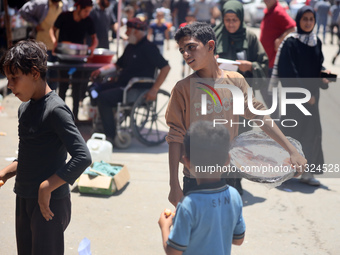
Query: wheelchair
x: 136, y: 117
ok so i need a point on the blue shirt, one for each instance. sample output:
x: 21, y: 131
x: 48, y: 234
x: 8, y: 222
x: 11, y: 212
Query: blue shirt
x: 335, y: 10
x: 158, y: 33
x: 322, y: 9
x: 207, y: 220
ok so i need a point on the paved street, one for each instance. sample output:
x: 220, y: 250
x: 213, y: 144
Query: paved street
x: 291, y: 219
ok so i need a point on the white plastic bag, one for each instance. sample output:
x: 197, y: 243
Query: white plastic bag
x: 84, y: 247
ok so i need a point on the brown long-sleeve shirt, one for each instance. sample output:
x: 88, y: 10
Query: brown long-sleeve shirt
x: 184, y: 106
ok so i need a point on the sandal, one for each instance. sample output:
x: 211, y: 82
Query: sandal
x: 310, y: 181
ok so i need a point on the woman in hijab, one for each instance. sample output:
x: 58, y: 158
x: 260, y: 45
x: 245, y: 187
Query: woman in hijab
x: 300, y: 57
x: 235, y: 42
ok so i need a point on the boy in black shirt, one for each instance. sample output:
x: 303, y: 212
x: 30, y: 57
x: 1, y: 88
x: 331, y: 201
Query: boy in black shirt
x: 47, y: 133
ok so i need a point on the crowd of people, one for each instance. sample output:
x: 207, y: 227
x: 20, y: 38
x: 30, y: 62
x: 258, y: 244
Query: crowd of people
x: 274, y: 57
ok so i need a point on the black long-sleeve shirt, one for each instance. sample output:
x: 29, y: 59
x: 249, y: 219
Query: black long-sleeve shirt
x: 303, y: 63
x: 140, y: 60
x: 46, y: 134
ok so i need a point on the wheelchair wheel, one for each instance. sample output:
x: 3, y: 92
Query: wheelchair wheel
x: 123, y: 140
x: 148, y: 119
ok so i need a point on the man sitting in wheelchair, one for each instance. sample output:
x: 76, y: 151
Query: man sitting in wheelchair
x: 140, y: 59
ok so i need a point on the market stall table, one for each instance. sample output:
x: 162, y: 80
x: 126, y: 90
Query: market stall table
x: 79, y: 81
x: 71, y: 67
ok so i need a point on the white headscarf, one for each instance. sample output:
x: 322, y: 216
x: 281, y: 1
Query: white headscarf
x: 309, y: 39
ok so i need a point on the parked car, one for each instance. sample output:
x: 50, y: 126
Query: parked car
x: 253, y: 10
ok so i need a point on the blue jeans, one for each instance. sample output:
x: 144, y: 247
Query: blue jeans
x: 322, y: 22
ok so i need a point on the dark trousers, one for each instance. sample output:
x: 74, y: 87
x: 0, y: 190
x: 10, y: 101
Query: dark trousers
x: 52, y: 73
x: 35, y: 235
x: 109, y: 96
x: 332, y: 26
x: 190, y: 184
x: 78, y: 89
x: 268, y: 97
x: 338, y: 52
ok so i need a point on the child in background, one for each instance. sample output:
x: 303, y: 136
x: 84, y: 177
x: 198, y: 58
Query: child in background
x: 47, y: 133
x: 189, y: 19
x: 159, y: 31
x: 209, y: 219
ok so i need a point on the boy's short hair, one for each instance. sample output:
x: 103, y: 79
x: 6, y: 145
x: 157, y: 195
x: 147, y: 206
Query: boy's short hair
x: 206, y: 145
x: 192, y: 14
x: 198, y: 30
x: 25, y: 56
x: 83, y: 3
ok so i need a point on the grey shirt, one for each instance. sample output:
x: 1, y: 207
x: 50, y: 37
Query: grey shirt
x: 103, y: 21
x: 35, y: 11
x: 322, y: 9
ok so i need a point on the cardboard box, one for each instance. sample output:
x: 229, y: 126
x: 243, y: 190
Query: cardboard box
x: 103, y: 185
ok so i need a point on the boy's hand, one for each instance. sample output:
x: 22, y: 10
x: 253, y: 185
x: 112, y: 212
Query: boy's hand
x: 3, y: 180
x: 55, y: 46
x: 44, y: 197
x: 312, y: 100
x: 164, y: 221
x: 175, y: 195
x: 298, y: 162
x: 8, y: 172
x: 39, y: 28
x: 168, y: 212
